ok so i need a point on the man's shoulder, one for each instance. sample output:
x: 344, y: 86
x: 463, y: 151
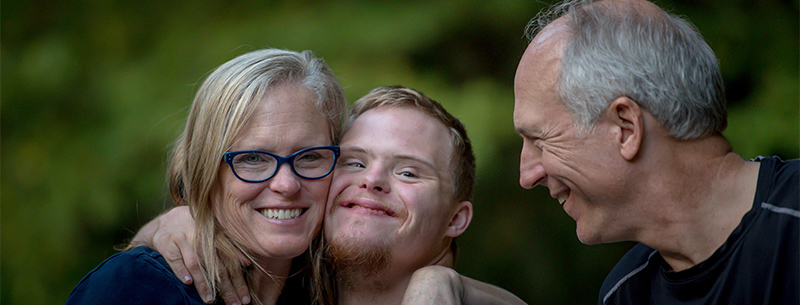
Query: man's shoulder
x: 778, y: 182
x: 137, y: 276
x: 775, y: 166
x: 633, y: 268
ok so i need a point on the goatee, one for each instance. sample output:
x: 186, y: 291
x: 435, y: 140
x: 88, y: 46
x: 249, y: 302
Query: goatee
x: 356, y: 261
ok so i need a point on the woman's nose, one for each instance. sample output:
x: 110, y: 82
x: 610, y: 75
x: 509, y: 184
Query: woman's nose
x: 285, y: 181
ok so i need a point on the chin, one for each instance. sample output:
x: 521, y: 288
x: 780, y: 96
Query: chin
x: 351, y: 236
x: 360, y: 236
x: 587, y: 238
x: 281, y: 249
x: 286, y: 254
x: 357, y: 228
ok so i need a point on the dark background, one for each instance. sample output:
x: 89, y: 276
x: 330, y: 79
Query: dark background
x: 94, y: 91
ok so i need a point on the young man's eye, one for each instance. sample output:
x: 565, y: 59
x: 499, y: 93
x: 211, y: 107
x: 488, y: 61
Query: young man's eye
x: 408, y: 174
x: 351, y: 163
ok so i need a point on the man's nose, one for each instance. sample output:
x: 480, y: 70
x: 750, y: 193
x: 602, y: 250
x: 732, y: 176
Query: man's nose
x: 376, y: 179
x: 531, y: 171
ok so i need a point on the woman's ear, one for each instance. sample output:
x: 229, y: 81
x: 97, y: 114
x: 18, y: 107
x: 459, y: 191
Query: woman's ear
x: 626, y: 118
x: 460, y: 220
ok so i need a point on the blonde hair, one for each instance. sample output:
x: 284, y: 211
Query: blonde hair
x: 220, y: 111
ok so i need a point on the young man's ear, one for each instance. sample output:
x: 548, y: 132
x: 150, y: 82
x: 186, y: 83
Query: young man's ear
x: 460, y: 220
x: 627, y: 122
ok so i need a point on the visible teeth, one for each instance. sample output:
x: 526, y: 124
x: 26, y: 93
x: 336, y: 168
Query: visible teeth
x: 563, y: 197
x: 282, y: 213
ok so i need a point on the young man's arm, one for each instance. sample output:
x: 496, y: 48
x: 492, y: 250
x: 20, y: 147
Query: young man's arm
x: 443, y: 285
x: 171, y: 234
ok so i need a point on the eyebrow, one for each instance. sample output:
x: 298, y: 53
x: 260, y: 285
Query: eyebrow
x: 351, y: 148
x: 526, y: 132
x: 240, y: 144
x: 270, y: 149
x: 416, y: 159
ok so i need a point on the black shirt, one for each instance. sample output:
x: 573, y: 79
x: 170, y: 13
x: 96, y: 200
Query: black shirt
x: 757, y: 264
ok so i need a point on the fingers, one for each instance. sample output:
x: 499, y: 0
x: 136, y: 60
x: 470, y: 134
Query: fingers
x: 192, y: 265
x: 230, y: 289
x: 226, y: 290
x: 244, y: 260
x: 238, y: 281
x: 240, y: 286
x: 233, y: 287
x: 173, y: 239
x: 186, y: 267
x: 174, y: 257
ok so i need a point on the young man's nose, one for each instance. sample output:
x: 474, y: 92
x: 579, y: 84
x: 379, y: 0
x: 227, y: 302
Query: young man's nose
x: 376, y: 179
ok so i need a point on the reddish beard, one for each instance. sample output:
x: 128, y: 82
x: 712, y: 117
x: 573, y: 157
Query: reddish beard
x: 357, y: 260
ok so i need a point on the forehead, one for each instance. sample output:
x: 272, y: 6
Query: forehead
x: 535, y: 82
x: 286, y: 116
x: 400, y: 131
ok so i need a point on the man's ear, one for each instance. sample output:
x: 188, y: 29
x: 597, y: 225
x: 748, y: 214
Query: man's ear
x: 460, y: 220
x: 627, y: 122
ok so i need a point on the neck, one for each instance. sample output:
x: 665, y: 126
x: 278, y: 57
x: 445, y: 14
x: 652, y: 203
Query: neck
x: 268, y: 278
x: 382, y: 288
x: 386, y: 287
x: 697, y: 194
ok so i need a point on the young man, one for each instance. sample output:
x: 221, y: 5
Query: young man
x: 402, y: 186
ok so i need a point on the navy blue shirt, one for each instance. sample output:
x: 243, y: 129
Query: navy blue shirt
x: 138, y: 276
x: 757, y: 264
x: 142, y: 276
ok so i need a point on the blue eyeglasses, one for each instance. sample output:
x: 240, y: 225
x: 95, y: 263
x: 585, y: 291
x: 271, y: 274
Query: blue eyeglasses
x: 258, y: 166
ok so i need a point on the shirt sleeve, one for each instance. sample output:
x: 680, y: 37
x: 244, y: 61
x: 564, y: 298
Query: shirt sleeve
x: 132, y: 278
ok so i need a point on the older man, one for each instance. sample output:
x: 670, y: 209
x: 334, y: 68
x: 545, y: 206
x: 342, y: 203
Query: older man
x: 621, y: 109
x: 400, y: 196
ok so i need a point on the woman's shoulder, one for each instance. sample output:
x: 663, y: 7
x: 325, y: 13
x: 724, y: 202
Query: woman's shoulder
x: 138, y: 276
x: 137, y: 264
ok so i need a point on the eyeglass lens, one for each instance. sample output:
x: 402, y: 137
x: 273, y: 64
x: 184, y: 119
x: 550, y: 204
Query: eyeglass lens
x: 308, y: 164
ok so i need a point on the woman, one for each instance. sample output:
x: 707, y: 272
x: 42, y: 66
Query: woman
x: 250, y: 116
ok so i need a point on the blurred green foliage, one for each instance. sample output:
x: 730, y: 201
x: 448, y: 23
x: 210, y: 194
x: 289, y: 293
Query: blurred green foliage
x: 94, y: 91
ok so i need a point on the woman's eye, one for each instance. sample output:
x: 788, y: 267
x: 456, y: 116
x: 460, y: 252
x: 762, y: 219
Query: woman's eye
x: 309, y: 157
x: 251, y: 158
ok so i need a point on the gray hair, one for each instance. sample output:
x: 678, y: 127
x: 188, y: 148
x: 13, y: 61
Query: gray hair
x: 659, y: 60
